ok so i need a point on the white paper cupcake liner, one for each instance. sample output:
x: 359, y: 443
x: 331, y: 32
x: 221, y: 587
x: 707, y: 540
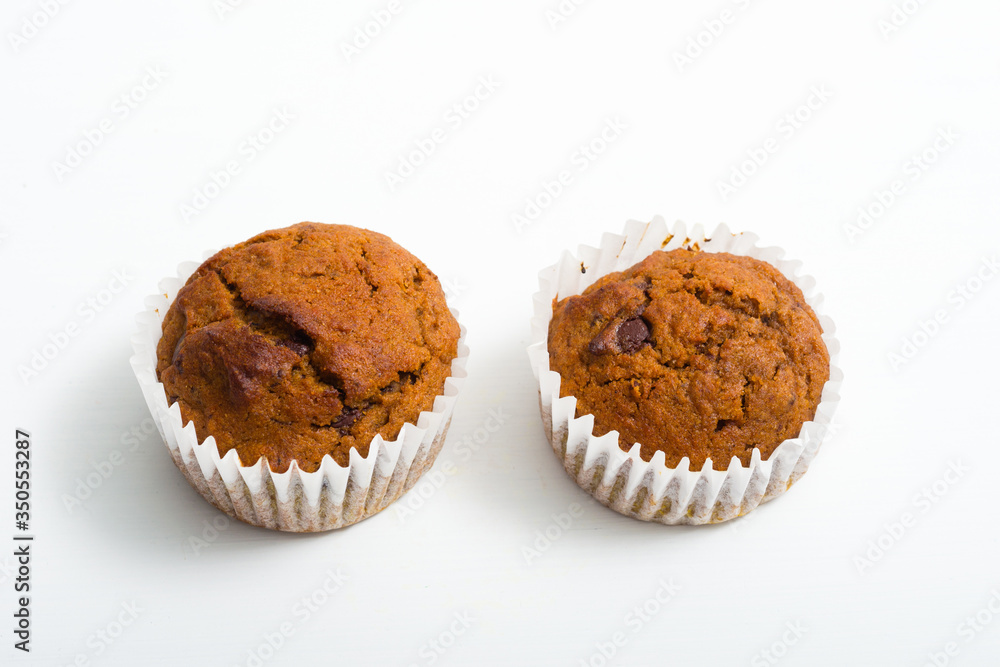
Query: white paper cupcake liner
x: 296, y: 501
x: 623, y: 481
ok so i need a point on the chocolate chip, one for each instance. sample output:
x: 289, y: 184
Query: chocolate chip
x: 632, y: 335
x: 346, y: 420
x: 298, y: 345
x: 624, y: 337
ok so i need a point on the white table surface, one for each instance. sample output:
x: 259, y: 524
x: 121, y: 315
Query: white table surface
x: 198, y: 80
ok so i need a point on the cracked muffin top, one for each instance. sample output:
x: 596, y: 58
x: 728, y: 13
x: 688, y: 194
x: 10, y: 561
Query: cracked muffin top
x: 306, y: 341
x: 697, y: 354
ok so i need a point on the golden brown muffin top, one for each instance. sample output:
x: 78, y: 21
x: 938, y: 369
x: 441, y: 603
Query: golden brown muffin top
x: 306, y: 341
x: 697, y: 354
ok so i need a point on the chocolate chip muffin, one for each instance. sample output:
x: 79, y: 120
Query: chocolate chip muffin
x: 697, y: 354
x: 306, y: 341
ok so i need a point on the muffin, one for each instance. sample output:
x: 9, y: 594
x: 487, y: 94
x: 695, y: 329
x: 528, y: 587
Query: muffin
x: 682, y: 378
x: 316, y: 363
x: 692, y: 353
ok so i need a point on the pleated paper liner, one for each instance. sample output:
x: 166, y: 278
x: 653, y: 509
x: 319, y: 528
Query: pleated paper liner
x: 296, y: 501
x: 623, y: 481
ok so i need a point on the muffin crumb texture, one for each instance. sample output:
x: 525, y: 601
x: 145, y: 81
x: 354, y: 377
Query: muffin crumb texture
x: 697, y: 354
x: 306, y: 341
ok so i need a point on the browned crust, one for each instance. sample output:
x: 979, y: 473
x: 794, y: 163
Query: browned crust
x: 306, y: 341
x: 697, y: 354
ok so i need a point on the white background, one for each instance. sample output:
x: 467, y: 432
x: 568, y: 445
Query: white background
x: 686, y: 127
